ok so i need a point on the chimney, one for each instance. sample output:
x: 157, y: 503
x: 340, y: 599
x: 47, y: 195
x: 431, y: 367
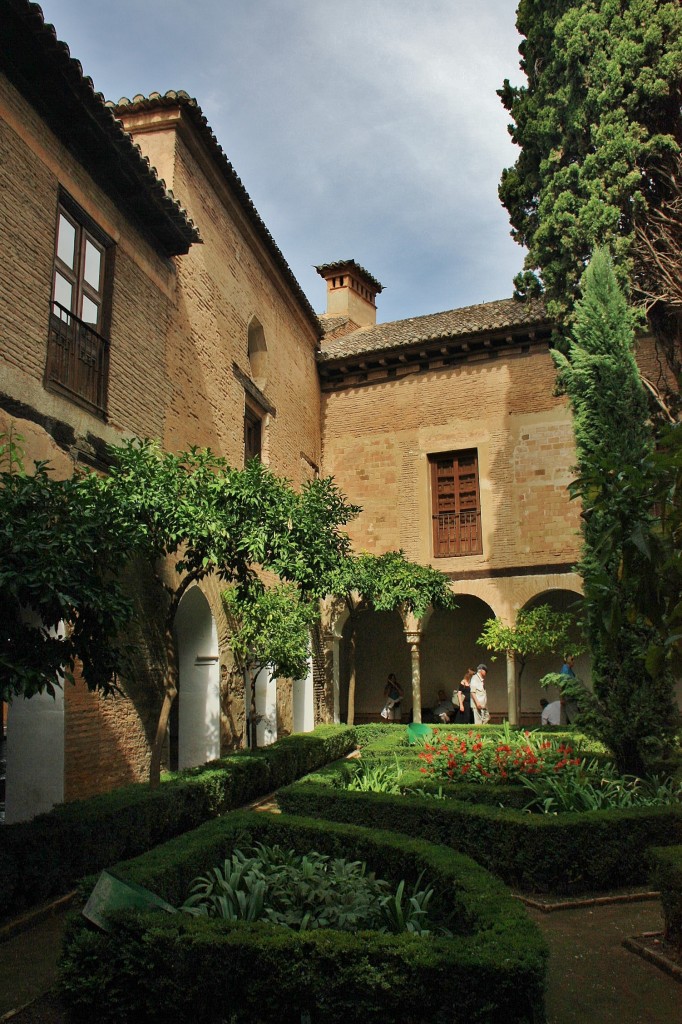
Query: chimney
x: 351, y: 291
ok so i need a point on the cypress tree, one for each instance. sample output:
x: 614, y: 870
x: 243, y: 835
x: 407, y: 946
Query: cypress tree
x: 612, y: 433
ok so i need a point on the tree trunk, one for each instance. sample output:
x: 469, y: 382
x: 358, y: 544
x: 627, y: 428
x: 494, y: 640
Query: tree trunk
x: 350, y: 717
x: 170, y: 684
x: 253, y: 724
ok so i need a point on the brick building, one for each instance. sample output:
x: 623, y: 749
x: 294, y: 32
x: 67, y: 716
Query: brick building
x: 143, y: 295
x: 445, y: 429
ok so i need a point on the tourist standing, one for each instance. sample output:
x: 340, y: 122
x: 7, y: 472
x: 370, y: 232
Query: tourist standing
x: 479, y: 698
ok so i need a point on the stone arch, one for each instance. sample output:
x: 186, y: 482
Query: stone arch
x: 381, y: 647
x: 303, y: 701
x: 561, y: 598
x: 195, y: 730
x: 257, y: 352
x: 35, y: 749
x: 448, y: 648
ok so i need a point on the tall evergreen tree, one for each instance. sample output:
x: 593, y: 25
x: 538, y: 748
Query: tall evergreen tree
x: 599, y: 125
x: 599, y: 374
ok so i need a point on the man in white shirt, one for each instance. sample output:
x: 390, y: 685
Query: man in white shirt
x: 552, y: 714
x: 479, y: 698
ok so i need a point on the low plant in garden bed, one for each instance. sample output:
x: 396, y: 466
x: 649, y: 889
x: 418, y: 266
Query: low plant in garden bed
x: 307, y: 891
x: 202, y: 970
x: 484, y: 758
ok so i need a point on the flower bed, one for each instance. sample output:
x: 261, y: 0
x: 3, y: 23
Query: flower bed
x: 202, y: 971
x: 476, y: 757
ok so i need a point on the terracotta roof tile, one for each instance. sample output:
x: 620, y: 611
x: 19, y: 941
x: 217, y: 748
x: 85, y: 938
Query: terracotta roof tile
x: 189, y: 105
x: 41, y: 67
x: 325, y: 269
x: 454, y: 323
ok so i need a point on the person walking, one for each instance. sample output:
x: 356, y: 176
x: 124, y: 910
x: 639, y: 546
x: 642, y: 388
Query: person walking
x: 461, y: 698
x: 393, y: 693
x: 479, y: 698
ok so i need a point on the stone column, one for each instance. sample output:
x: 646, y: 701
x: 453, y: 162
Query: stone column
x: 512, y: 690
x: 414, y: 640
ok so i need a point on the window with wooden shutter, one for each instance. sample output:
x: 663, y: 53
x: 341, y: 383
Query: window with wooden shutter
x: 78, y: 347
x: 456, y: 508
x: 253, y: 434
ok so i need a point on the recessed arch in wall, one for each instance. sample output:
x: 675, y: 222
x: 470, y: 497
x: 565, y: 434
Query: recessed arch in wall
x: 198, y: 700
x: 257, y: 352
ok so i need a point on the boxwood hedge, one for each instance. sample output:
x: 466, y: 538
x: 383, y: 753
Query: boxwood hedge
x: 152, y: 966
x: 666, y: 873
x: 46, y: 857
x: 563, y: 854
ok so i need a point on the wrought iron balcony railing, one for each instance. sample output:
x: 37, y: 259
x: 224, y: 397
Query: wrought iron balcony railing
x: 457, y: 533
x: 77, y: 360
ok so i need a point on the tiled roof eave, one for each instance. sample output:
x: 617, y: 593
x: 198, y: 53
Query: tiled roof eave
x: 189, y: 106
x: 503, y: 317
x: 443, y: 349
x: 40, y: 66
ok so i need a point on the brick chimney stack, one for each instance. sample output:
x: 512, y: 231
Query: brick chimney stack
x: 351, y: 291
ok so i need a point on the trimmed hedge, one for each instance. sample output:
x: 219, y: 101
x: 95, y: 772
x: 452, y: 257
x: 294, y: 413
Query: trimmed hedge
x: 666, y: 873
x: 47, y: 856
x: 562, y: 854
x: 200, y: 971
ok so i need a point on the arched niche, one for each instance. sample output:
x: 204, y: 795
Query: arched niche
x: 198, y: 700
x: 34, y: 750
x: 258, y: 353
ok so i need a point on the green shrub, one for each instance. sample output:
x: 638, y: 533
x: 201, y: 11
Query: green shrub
x: 202, y: 971
x: 562, y: 854
x: 666, y: 874
x: 46, y: 857
x: 591, y: 786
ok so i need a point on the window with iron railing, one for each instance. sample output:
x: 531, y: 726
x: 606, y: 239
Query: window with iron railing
x: 77, y: 349
x: 455, y: 503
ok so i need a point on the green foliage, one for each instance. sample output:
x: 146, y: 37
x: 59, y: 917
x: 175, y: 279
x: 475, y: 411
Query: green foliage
x: 217, y: 519
x: 632, y: 709
x: 599, y: 126
x: 304, y: 892
x: 536, y: 631
x: 60, y: 595
x: 568, y: 853
x: 45, y: 857
x: 365, y: 776
x: 276, y: 975
x: 666, y: 876
x: 593, y: 786
x: 391, y: 581
x: 271, y: 628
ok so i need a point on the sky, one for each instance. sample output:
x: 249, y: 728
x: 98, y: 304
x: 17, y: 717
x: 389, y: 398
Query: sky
x: 361, y: 129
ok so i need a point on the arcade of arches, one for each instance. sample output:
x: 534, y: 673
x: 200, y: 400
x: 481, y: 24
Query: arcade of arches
x: 433, y: 653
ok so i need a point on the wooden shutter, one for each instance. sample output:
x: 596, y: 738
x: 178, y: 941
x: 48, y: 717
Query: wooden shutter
x: 455, y: 504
